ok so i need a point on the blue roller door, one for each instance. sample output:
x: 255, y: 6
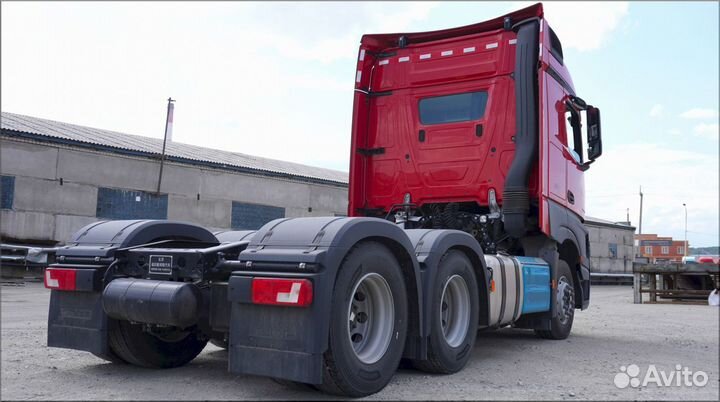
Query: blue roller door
x: 253, y: 216
x: 113, y: 203
x: 7, y: 192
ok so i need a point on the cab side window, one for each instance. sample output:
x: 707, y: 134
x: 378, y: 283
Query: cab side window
x: 573, y: 133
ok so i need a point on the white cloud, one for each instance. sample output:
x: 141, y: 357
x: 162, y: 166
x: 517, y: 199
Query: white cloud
x: 585, y: 25
x: 709, y: 131
x: 344, y: 42
x: 656, y: 110
x: 669, y: 178
x: 699, y: 113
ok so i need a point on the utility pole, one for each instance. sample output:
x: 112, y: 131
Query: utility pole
x: 686, y: 243
x: 641, y: 202
x: 168, y: 133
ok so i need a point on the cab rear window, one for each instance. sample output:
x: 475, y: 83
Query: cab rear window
x: 453, y: 108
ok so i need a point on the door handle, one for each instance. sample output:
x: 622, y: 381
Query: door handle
x: 421, y: 136
x: 571, y: 197
x: 478, y: 130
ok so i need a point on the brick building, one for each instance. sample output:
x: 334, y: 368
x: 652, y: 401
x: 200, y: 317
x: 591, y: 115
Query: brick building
x: 659, y: 249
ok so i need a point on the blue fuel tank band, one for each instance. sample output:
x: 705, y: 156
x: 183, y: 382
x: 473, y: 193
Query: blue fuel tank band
x: 536, y: 284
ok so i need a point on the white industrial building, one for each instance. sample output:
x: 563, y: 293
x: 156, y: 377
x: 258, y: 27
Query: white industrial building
x: 58, y: 177
x: 612, y: 248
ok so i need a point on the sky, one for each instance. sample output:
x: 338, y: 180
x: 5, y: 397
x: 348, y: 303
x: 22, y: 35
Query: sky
x: 276, y: 80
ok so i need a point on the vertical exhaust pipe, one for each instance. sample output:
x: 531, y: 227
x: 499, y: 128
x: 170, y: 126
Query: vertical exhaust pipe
x: 516, y: 199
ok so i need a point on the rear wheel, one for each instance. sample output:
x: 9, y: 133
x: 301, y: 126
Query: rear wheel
x: 561, y: 323
x: 110, y: 357
x: 170, y: 349
x: 368, y: 322
x: 294, y: 385
x: 454, y: 316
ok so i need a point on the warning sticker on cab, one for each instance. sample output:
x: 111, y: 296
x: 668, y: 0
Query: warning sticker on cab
x: 160, y: 264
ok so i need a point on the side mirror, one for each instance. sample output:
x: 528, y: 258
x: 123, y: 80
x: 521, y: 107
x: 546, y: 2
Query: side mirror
x: 594, y: 139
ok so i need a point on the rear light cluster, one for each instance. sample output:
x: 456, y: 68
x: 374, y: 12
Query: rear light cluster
x: 282, y: 292
x: 60, y: 278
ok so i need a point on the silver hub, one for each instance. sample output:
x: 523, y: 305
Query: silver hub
x: 371, y: 318
x: 565, y: 299
x: 455, y: 310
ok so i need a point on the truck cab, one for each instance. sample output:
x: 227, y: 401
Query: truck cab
x: 477, y: 128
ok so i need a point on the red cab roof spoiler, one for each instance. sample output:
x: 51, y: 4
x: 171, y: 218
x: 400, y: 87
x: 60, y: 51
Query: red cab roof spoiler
x: 384, y: 41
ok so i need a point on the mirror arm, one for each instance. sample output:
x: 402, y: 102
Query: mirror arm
x: 585, y: 166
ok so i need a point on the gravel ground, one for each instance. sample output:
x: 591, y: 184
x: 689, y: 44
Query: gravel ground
x: 506, y: 364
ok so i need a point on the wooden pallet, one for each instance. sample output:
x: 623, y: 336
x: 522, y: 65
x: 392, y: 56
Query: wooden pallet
x: 662, y: 282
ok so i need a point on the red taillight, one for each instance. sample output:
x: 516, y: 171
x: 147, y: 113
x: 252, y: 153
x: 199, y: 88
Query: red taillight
x: 60, y: 278
x: 282, y: 292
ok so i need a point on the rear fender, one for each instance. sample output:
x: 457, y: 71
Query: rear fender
x: 76, y: 319
x: 290, y: 341
x: 430, y: 246
x: 101, y: 239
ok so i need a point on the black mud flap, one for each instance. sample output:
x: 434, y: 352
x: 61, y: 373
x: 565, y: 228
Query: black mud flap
x: 77, y: 321
x: 584, y: 276
x: 274, y: 341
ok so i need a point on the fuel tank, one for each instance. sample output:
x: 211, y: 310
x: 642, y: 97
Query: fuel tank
x: 522, y: 286
x: 152, y: 302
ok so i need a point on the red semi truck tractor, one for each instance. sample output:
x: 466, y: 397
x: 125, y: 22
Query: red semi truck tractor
x: 466, y: 204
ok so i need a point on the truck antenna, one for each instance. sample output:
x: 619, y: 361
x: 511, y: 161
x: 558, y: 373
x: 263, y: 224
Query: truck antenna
x: 168, y: 134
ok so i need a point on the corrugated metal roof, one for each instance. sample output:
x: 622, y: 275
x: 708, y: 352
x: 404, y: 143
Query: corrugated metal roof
x: 605, y: 222
x: 55, y: 131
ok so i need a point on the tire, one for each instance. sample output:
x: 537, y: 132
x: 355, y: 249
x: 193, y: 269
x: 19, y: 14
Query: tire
x: 221, y: 343
x: 564, y: 297
x: 295, y: 385
x: 453, y: 316
x: 130, y: 343
x: 368, y: 323
x: 110, y: 357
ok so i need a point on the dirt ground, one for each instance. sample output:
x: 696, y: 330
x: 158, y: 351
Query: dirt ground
x: 506, y: 364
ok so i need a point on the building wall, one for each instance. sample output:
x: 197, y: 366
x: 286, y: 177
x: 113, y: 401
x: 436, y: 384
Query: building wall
x: 56, y: 189
x: 611, y: 248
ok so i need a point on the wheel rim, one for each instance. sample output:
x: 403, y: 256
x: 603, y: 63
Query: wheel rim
x: 455, y: 310
x: 565, y: 300
x: 371, y: 318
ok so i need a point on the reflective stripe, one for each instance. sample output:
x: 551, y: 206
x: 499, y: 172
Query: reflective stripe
x: 404, y: 59
x: 383, y: 62
x: 424, y: 56
x: 491, y: 45
x: 362, y: 55
x: 469, y: 49
x: 291, y: 296
x: 518, y: 278
x: 446, y: 53
x: 512, y: 41
x: 504, y: 291
x: 358, y: 76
